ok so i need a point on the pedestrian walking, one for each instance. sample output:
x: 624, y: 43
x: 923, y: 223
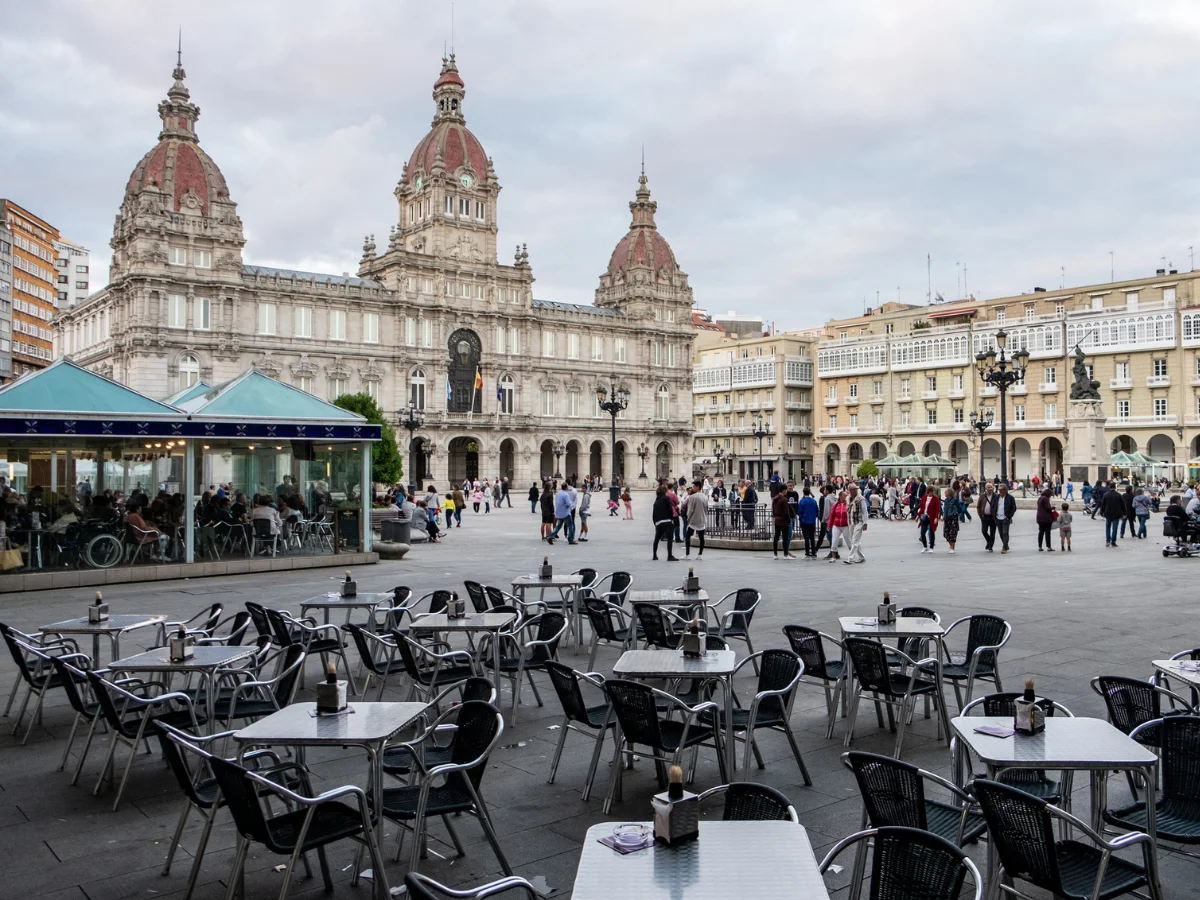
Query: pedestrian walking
x: 929, y: 509
x: 808, y: 512
x: 695, y: 517
x: 585, y: 510
x: 477, y: 498
x: 1006, y: 508
x: 534, y: 496
x: 448, y: 507
x: 660, y: 514
x: 460, y: 503
x: 628, y: 501
x: 839, y: 518
x: 952, y: 508
x: 857, y: 512
x: 1064, y: 527
x: 546, y: 505
x: 504, y: 494
x: 1141, y: 509
x: 1070, y: 495
x: 1112, y: 508
x: 674, y: 498
x: 1045, y: 519
x: 828, y: 499
x: 779, y: 516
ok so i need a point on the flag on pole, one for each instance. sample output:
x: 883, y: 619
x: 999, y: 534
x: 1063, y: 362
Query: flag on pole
x: 478, y: 378
x: 499, y: 392
x: 449, y: 393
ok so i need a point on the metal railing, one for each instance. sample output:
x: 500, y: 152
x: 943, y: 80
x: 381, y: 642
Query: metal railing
x: 740, y: 522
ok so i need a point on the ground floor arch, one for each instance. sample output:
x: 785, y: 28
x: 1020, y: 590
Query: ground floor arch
x: 960, y: 453
x: 1050, y: 451
x: 420, y: 460
x: 1020, y: 458
x: 596, y: 459
x: 1162, y: 448
x: 906, y: 448
x: 619, y: 452
x: 878, y: 450
x: 508, y: 460
x: 571, y: 463
x: 991, y: 458
x: 463, y: 459
x: 931, y: 448
x: 662, y: 460
x: 1122, y: 443
x: 546, y: 460
x: 833, y: 460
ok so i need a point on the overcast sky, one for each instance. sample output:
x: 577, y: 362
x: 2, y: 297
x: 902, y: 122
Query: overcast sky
x: 804, y: 155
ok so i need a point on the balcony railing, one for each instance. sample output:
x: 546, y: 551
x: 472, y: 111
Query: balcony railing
x: 1019, y: 390
x: 877, y: 398
x: 1136, y: 421
x: 956, y: 393
x: 1048, y: 387
x: 1120, y: 384
x: 831, y: 401
x: 929, y: 395
x: 852, y: 401
x: 1158, y: 380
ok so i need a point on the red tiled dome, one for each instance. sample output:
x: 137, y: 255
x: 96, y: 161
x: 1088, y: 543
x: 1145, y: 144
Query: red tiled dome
x: 175, y: 166
x: 642, y: 247
x: 459, y: 148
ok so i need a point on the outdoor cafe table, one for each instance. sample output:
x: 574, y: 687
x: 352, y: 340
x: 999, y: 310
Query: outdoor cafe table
x: 728, y: 860
x: 568, y: 586
x: 471, y: 623
x: 1186, y: 670
x: 670, y: 597
x: 715, y: 664
x: 1072, y: 744
x: 331, y: 601
x: 363, y: 724
x: 869, y: 627
x: 114, y: 626
x: 204, y: 662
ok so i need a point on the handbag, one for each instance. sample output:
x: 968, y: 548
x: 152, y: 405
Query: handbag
x: 10, y: 559
x: 1054, y: 515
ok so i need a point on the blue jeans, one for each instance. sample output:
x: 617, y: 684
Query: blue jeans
x: 570, y: 524
x: 1141, y: 532
x: 1110, y: 530
x: 927, y: 532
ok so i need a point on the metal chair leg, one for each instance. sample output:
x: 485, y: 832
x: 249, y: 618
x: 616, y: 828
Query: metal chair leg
x: 558, y: 749
x: 591, y: 776
x: 183, y: 814
x: 198, y: 858
x: 486, y: 821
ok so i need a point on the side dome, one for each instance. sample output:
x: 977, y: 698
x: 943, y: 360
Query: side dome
x: 449, y: 146
x: 642, y: 246
x: 177, y: 166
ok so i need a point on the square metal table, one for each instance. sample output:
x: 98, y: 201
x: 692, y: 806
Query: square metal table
x: 729, y: 859
x: 114, y: 626
x: 716, y: 664
x: 1186, y: 670
x: 1078, y: 744
x: 204, y: 662
x: 903, y: 627
x: 370, y: 726
x: 472, y: 623
x: 329, y: 602
x: 568, y: 586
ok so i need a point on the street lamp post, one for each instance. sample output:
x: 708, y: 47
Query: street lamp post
x: 643, y: 452
x: 430, y: 448
x: 719, y: 453
x: 411, y: 419
x: 759, y: 432
x: 612, y: 401
x: 1002, y: 371
x: 981, y: 422
x: 559, y: 449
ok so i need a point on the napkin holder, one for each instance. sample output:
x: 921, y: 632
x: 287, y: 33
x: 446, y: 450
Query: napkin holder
x: 691, y: 584
x: 1028, y: 717
x: 98, y: 612
x: 181, y: 649
x: 349, y: 587
x: 331, y: 696
x: 693, y: 644
x: 885, y: 614
x: 676, y: 821
x: 545, y: 571
x: 456, y: 608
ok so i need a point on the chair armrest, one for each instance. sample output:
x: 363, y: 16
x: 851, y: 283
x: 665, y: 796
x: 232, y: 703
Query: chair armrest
x: 728, y: 617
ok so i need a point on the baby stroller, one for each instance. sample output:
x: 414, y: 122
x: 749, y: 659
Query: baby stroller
x: 1186, y: 539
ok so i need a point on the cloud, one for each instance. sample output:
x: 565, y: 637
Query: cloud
x: 804, y: 156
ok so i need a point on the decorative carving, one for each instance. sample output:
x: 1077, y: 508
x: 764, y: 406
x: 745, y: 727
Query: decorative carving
x: 1084, y: 387
x: 269, y: 366
x: 464, y: 248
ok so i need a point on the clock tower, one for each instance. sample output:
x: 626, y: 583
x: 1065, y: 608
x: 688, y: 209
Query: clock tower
x: 447, y: 191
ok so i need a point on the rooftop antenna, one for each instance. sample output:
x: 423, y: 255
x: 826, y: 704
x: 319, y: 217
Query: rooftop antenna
x: 1112, y: 268
x: 928, y: 280
x: 451, y: 29
x: 958, y: 271
x: 179, y: 51
x: 643, y: 157
x: 1063, y: 283
x: 1191, y: 259
x: 966, y: 290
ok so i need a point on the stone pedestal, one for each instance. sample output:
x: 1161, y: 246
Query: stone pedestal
x: 1087, y: 447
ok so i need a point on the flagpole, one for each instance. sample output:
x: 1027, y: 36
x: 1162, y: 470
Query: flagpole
x: 474, y: 388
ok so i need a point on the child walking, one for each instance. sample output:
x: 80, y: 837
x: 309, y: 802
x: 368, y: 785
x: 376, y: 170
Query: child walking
x: 1064, y: 527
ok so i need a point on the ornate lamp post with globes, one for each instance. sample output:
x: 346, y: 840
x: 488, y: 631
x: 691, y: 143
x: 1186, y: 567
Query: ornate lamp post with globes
x: 981, y: 421
x: 759, y: 433
x: 719, y: 453
x: 1002, y: 371
x: 559, y: 449
x: 612, y: 401
x: 643, y: 452
x: 410, y: 420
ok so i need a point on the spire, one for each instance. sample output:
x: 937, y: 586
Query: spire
x: 642, y: 207
x: 177, y: 112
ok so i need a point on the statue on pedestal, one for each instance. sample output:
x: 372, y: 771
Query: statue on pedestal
x: 1084, y: 387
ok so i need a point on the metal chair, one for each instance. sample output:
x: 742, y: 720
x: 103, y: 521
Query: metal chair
x: 320, y: 640
x: 660, y: 627
x: 610, y: 623
x: 239, y: 624
x: 808, y: 644
x: 895, y: 689
x: 35, y: 669
x: 256, y: 696
x: 398, y: 760
x: 263, y: 537
x: 35, y: 640
x: 1021, y: 828
x: 746, y: 801
x: 617, y: 592
x: 450, y: 788
x: 208, y: 618
x: 501, y: 599
x: 986, y: 635
x: 524, y: 650
x: 421, y: 887
x: 1131, y: 703
x: 1164, y: 681
x: 378, y: 655
x: 735, y: 623
x: 909, y: 863
x: 915, y: 646
x: 635, y: 706
x: 427, y: 669
x: 478, y: 597
x: 579, y: 715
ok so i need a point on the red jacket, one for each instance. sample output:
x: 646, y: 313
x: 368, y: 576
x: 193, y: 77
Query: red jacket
x: 930, y: 506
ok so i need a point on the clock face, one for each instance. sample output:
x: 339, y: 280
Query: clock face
x: 466, y: 180
x: 420, y: 182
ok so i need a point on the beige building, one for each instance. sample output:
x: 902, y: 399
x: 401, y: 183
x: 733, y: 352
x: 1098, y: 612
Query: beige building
x: 742, y: 385
x: 902, y: 379
x: 432, y: 318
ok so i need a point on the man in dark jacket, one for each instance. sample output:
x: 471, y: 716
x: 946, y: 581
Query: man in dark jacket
x: 1130, y: 515
x: 780, y: 514
x: 749, y: 504
x: 1098, y: 493
x: 1006, y: 508
x: 1112, y: 507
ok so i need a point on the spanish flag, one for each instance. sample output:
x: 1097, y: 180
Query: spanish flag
x: 478, y: 378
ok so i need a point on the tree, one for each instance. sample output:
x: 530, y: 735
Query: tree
x: 867, y: 469
x: 386, y: 463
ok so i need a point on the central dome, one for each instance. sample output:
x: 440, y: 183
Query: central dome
x: 449, y: 139
x: 643, y: 246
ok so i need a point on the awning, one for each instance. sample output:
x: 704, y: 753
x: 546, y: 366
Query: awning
x: 946, y: 313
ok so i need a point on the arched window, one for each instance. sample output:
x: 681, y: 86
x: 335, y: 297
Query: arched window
x: 662, y: 403
x: 189, y: 371
x: 508, y: 390
x: 416, y: 388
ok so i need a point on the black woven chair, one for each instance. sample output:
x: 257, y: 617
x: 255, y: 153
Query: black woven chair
x: 808, y: 644
x: 421, y: 887
x: 986, y: 635
x: 894, y: 689
x: 915, y: 646
x: 1131, y: 703
x: 587, y: 580
x: 613, y: 587
x: 1163, y: 680
x: 524, y: 650
x: 378, y: 657
x: 397, y: 758
x: 746, y: 801
x: 771, y: 707
x: 1177, y: 808
x: 237, y: 624
x: 610, y: 624
x: 317, y: 640
x: 452, y: 787
x: 245, y: 695
x: 735, y: 623
x: 635, y: 706
x: 392, y: 614
x: 660, y: 628
x: 258, y: 617
x: 36, y: 670
x: 1021, y: 827
x: 910, y: 864
x: 478, y: 597
x: 593, y: 719
x: 429, y: 670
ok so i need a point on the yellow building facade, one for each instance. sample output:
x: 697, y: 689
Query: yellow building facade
x: 35, y: 287
x: 902, y: 379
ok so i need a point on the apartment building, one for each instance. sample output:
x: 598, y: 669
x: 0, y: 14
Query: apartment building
x: 74, y: 281
x: 902, y: 379
x: 741, y: 385
x: 6, y: 294
x: 34, y: 287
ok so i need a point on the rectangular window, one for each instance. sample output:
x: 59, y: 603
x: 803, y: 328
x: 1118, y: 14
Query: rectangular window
x: 879, y: 421
x: 514, y: 342
x: 410, y: 331
x: 547, y: 343
x: 1049, y: 375
x: 854, y: 421
x: 572, y: 346
x: 464, y: 207
x: 266, y: 318
x: 370, y: 328
x: 1160, y: 368
x: 81, y: 270
x: 337, y: 325
x: 573, y: 404
x: 1123, y: 370
x: 1030, y: 312
x: 1019, y: 413
x: 547, y: 403
x: 958, y: 415
x: 427, y: 286
x: 957, y: 383
x: 619, y: 350
x: 448, y: 205
x: 854, y: 390
x: 1097, y: 303
x: 337, y: 387
x: 833, y: 391
x: 1131, y: 300
x: 302, y: 319
x: 1122, y: 409
x: 506, y: 396
x: 833, y: 421
x: 81, y: 285
x: 999, y: 315
x: 670, y: 355
x: 500, y: 334
x: 448, y: 289
x: 931, y: 417
x: 203, y: 259
x: 203, y: 309
x: 426, y: 333
x: 1169, y: 295
x: 479, y: 211
x: 598, y: 353
x: 177, y: 256
x: 1060, y: 309
x: 1160, y: 407
x: 931, y: 383
x: 176, y: 311
x: 877, y: 388
x: 1051, y: 412
x: 372, y: 389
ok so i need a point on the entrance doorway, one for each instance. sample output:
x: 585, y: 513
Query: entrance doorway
x: 464, y: 459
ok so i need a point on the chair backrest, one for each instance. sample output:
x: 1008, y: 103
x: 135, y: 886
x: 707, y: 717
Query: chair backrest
x: 550, y: 628
x: 746, y: 801
x: 238, y: 627
x: 1022, y: 830
x: 909, y: 864
x: 495, y: 596
x: 587, y: 577
x: 1130, y: 702
x: 262, y: 529
x: 1005, y: 704
x: 478, y: 597
x: 280, y: 627
x: 438, y: 600
x: 654, y: 625
x: 365, y: 653
x: 404, y: 648
x: 893, y: 792
x: 179, y: 768
x: 258, y: 615
x: 71, y: 678
x: 401, y: 594
x: 620, y: 583
x: 289, y: 678
x: 870, y: 664
x: 601, y: 619
x: 911, y: 646
x: 241, y: 795
x: 1179, y: 738
x: 713, y: 641
x: 209, y: 625
x: 477, y: 688
x: 744, y: 601
x: 806, y: 643
x: 20, y: 657
x: 566, y: 685
x: 108, y: 709
x: 776, y: 670
x: 634, y: 706
x: 985, y: 631
x: 479, y: 725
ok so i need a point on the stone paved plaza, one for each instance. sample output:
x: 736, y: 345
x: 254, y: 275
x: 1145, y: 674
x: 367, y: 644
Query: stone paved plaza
x: 1074, y: 616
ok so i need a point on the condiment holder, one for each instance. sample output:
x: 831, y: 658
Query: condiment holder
x: 1028, y: 716
x: 331, y: 693
x: 885, y: 612
x: 98, y: 611
x: 691, y: 584
x: 180, y: 646
x: 676, y: 812
x: 349, y: 586
x: 693, y: 643
x: 546, y: 571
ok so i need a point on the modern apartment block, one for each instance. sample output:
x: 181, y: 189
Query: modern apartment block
x: 744, y: 384
x: 35, y: 287
x: 6, y: 295
x: 74, y: 280
x: 902, y: 379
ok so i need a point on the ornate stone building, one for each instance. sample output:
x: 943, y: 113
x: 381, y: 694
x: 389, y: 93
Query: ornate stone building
x: 432, y: 319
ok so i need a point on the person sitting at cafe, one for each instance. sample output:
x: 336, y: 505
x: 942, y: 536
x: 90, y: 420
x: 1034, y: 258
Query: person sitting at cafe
x: 145, y: 533
x: 264, y: 510
x: 67, y: 515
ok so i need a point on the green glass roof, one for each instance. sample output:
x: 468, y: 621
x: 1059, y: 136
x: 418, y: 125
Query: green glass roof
x: 254, y: 395
x: 188, y: 393
x: 65, y: 387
